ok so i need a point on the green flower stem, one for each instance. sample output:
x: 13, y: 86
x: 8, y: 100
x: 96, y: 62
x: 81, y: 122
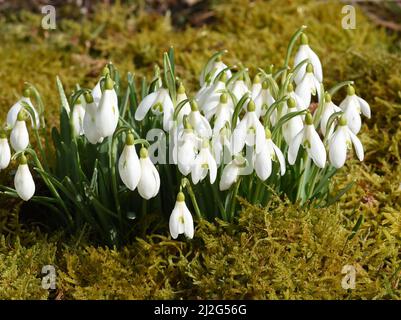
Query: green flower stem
x: 48, y: 182
x: 305, y: 174
x: 112, y: 161
x: 234, y: 198
x: 294, y: 38
x: 191, y: 193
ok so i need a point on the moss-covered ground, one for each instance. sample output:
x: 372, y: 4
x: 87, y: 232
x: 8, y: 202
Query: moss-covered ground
x: 279, y: 252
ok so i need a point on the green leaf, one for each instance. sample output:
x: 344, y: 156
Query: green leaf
x: 63, y: 98
x: 356, y: 227
x: 343, y: 191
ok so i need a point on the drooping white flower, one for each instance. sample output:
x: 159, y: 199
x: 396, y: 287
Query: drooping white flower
x: 352, y: 106
x: 231, y: 172
x: 263, y: 160
x: 78, y: 114
x: 209, y: 100
x: 198, y: 122
x: 19, y: 137
x: 181, y: 221
x: 249, y: 131
x: 160, y: 103
x: 186, y: 109
x: 305, y: 52
x: 97, y: 90
x: 308, y: 86
x: 239, y: 88
x: 224, y: 114
x: 328, y: 109
x: 16, y: 108
x: 149, y: 183
x: 129, y: 167
x: 263, y: 101
x: 293, y: 126
x: 23, y: 181
x: 204, y: 163
x: 256, y: 87
x: 310, y: 140
x: 107, y: 112
x: 5, y: 152
x: 213, y: 70
x: 187, y: 149
x: 341, y: 140
x: 89, y: 123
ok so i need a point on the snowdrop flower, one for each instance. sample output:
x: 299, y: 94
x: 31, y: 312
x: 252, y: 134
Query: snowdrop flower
x: 293, y: 126
x: 211, y: 73
x: 181, y: 96
x: 203, y: 164
x: 249, y: 131
x: 224, y: 114
x: 231, y: 172
x: 181, y: 221
x: 199, y: 122
x: 16, y: 108
x: 188, y: 146
x: 309, y: 86
x: 5, y: 152
x: 263, y: 160
x: 19, y: 137
x: 352, y: 106
x: 107, y: 112
x: 129, y: 167
x: 23, y: 181
x: 160, y: 103
x: 78, y: 114
x: 310, y: 140
x: 343, y: 139
x: 149, y: 183
x: 305, y: 52
x: 239, y: 88
x: 89, y: 124
x: 328, y: 109
x: 97, y: 90
x: 263, y: 101
x: 291, y: 93
x: 221, y: 143
x: 256, y: 87
x: 209, y: 100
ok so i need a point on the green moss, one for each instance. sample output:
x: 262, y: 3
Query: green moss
x: 281, y: 251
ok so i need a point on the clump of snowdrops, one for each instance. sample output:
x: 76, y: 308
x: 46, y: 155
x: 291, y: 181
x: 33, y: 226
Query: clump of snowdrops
x: 122, y: 153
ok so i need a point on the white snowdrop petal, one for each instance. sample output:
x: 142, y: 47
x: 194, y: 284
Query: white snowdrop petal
x: 188, y: 222
x: 174, y: 222
x: 129, y: 167
x: 365, y: 108
x: 228, y: 177
x: 317, y: 150
x: 280, y: 157
x: 338, y: 148
x: 317, y: 65
x: 294, y: 147
x: 5, y: 153
x: 357, y: 145
x: 145, y: 105
x: 19, y: 137
x: 23, y: 182
x: 263, y: 165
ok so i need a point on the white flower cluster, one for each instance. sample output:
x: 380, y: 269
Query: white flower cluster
x: 207, y: 130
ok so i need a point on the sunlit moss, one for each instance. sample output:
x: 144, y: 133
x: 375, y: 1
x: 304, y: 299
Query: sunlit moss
x: 281, y: 251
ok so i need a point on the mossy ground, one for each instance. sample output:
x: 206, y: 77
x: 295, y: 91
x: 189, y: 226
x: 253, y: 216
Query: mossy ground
x: 278, y: 252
